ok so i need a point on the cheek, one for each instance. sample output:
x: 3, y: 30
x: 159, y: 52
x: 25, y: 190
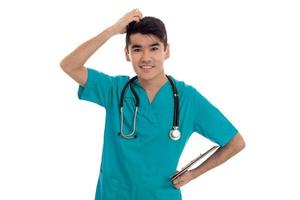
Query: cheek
x: 135, y: 63
x: 160, y: 59
x: 135, y: 59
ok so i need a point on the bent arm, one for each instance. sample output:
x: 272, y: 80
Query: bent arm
x: 73, y: 64
x: 235, y: 145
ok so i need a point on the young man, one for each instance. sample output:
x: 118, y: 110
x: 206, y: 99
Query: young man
x: 139, y: 151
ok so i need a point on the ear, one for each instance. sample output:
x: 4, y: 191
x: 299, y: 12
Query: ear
x: 127, y: 55
x: 167, y: 52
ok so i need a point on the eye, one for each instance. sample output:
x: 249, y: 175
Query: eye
x: 136, y: 50
x: 154, y: 48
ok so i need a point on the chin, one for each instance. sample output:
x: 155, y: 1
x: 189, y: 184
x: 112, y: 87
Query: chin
x: 146, y: 76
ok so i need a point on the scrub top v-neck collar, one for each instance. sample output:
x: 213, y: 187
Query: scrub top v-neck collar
x: 145, y: 95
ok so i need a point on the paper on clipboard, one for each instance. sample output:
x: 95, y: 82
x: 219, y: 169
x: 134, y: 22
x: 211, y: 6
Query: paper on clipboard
x: 185, y: 168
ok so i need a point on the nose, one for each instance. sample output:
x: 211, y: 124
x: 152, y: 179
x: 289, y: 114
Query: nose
x: 146, y: 58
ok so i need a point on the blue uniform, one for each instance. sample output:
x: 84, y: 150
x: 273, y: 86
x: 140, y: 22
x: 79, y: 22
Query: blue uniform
x: 140, y: 168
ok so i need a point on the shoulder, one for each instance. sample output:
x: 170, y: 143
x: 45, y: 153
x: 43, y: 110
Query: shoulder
x: 190, y: 94
x: 184, y: 88
x: 100, y: 76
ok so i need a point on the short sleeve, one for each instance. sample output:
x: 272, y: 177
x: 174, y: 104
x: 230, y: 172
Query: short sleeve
x: 97, y: 89
x: 210, y: 122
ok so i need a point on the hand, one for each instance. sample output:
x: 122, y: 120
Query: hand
x: 121, y: 24
x: 183, y: 179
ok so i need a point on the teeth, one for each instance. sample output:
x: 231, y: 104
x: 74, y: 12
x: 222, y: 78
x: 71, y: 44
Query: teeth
x: 146, y: 67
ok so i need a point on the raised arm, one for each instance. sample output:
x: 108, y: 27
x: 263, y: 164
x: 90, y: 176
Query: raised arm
x: 73, y: 64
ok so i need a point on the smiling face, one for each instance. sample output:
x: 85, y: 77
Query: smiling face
x: 147, y: 55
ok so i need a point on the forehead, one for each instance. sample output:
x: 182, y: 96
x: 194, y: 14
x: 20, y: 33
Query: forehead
x: 144, y: 40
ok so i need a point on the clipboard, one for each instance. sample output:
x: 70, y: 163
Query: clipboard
x: 185, y: 168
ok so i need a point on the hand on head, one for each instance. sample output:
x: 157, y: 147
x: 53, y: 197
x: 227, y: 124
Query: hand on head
x: 122, y: 23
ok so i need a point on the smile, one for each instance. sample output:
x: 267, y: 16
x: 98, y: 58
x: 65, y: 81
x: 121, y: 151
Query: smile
x: 146, y: 67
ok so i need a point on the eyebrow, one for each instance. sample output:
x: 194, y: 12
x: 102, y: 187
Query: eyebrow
x: 140, y: 46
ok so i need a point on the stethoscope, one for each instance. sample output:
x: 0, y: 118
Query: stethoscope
x: 174, y: 133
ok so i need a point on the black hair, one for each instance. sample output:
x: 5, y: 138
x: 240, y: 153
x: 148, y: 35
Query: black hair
x: 148, y: 25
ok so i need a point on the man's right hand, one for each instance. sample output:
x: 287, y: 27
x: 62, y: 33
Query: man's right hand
x: 120, y: 26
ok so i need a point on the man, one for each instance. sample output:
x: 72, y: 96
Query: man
x: 140, y: 167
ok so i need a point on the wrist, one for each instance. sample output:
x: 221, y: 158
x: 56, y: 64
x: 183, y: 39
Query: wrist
x: 193, y: 173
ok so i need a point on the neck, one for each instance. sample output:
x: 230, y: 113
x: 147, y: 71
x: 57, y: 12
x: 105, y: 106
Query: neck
x: 153, y: 84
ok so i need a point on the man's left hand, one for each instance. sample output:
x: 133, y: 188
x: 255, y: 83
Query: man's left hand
x: 183, y: 179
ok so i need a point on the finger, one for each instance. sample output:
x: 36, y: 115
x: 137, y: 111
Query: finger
x: 140, y: 14
x: 184, y: 177
x: 137, y: 19
x: 180, y: 178
x: 180, y: 184
x: 132, y: 13
x: 134, y: 10
x: 177, y: 180
x: 137, y: 13
x: 177, y: 186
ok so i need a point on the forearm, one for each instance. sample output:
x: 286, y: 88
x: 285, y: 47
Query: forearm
x: 220, y: 156
x: 81, y: 54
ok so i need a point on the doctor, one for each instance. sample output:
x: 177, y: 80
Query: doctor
x: 149, y: 118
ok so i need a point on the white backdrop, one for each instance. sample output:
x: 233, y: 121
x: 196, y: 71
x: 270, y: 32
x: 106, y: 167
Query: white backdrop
x: 242, y: 55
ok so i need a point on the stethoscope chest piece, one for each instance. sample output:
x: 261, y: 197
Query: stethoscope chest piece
x: 175, y: 134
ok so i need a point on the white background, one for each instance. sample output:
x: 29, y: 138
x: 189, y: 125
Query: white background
x: 242, y: 55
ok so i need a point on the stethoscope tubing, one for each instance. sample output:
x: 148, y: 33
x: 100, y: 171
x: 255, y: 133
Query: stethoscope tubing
x: 132, y: 134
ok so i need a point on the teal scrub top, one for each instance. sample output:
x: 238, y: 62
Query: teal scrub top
x: 140, y: 168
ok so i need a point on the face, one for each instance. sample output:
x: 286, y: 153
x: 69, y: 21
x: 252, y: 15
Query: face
x: 147, y: 55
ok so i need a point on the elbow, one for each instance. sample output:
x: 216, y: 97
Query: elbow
x: 63, y: 65
x: 66, y: 66
x: 241, y: 144
x: 237, y: 143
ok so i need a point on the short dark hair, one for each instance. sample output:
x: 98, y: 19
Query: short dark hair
x: 148, y: 25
